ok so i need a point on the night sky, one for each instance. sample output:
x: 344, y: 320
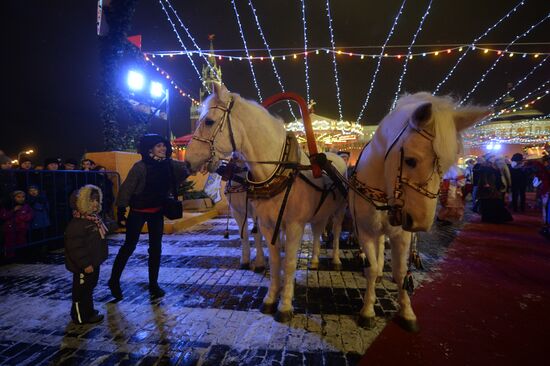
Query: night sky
x: 52, y: 64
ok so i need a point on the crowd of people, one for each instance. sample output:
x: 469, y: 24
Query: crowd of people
x: 496, y: 186
x: 35, y: 200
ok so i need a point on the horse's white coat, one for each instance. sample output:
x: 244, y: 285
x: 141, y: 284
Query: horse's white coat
x: 260, y: 137
x: 438, y: 116
x: 240, y: 212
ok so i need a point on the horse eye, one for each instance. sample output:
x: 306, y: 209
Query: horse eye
x: 410, y: 162
x: 208, y: 122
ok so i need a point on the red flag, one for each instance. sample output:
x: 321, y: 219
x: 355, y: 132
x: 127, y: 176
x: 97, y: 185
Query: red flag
x: 135, y: 40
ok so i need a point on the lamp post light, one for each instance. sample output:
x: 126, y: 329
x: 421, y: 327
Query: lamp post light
x: 136, y: 82
x: 26, y: 152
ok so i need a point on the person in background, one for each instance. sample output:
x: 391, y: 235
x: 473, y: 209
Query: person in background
x: 346, y: 156
x: 520, y: 175
x: 145, y: 190
x: 70, y: 164
x: 106, y: 184
x: 468, y: 175
x: 87, y: 164
x: 85, y: 250
x: 8, y: 182
x: 542, y: 173
x: 16, y: 221
x: 451, y: 196
x: 51, y: 164
x: 476, y: 169
x: 489, y: 194
x: 500, y: 164
x: 41, y: 209
x: 25, y: 163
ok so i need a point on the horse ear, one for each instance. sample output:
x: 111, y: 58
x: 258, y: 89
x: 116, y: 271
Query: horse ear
x: 421, y: 114
x: 220, y: 91
x: 468, y: 116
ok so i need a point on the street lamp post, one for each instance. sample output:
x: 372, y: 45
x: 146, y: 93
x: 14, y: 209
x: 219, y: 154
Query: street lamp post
x: 169, y: 132
x: 136, y: 82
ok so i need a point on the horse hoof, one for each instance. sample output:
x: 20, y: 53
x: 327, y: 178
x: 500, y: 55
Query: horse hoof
x: 259, y: 269
x: 408, y: 325
x: 283, y: 316
x: 245, y: 266
x: 367, y: 322
x: 268, y: 308
x: 378, y: 279
x: 337, y: 266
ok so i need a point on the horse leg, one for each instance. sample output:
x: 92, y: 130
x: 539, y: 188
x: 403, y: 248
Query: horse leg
x: 367, y: 314
x: 269, y: 305
x: 259, y: 262
x: 245, y: 244
x: 400, y: 244
x: 337, y: 220
x: 294, y: 234
x: 380, y: 247
x: 317, y: 229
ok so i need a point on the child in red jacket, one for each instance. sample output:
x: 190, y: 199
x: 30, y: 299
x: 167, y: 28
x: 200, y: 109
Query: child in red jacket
x: 16, y: 222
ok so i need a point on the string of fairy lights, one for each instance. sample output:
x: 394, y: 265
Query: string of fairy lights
x: 334, y: 63
x: 270, y: 55
x: 440, y: 51
x: 519, y: 105
x: 409, y: 51
x: 181, y: 41
x: 491, y: 68
x: 512, y: 50
x: 210, y: 67
x: 246, y: 49
x: 304, y: 22
x: 518, y: 83
x: 382, y: 53
x: 472, y: 46
x: 182, y: 92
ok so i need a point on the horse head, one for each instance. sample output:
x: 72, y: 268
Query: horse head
x: 213, y: 138
x: 424, y: 143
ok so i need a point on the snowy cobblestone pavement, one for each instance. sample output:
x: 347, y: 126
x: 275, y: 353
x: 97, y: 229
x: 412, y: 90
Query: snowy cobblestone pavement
x: 209, y: 315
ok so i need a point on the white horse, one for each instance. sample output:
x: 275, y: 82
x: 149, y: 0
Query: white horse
x: 230, y: 123
x: 401, y: 168
x: 241, y: 210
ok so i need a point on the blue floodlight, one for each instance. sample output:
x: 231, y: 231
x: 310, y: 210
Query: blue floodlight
x: 157, y: 89
x: 135, y: 80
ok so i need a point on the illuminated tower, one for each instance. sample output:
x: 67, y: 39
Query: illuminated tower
x: 212, y: 73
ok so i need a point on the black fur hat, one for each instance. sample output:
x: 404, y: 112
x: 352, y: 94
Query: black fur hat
x: 148, y: 141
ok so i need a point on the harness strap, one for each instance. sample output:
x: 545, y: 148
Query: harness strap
x: 324, y: 192
x: 281, y: 211
x: 231, y: 136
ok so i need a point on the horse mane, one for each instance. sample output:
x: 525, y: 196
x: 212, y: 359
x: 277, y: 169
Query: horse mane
x: 448, y: 142
x: 248, y: 104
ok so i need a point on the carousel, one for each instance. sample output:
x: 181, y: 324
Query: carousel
x: 525, y: 131
x: 333, y: 135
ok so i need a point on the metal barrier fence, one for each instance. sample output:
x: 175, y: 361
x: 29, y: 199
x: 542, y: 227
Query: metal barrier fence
x: 48, y: 193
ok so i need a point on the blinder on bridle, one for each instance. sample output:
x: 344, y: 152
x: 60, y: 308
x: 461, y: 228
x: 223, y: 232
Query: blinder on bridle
x: 396, y: 202
x: 219, y: 128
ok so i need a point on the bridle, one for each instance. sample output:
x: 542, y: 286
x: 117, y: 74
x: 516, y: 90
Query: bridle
x: 219, y: 128
x: 395, y: 203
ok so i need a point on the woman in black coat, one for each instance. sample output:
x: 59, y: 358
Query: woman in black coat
x: 145, y: 190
